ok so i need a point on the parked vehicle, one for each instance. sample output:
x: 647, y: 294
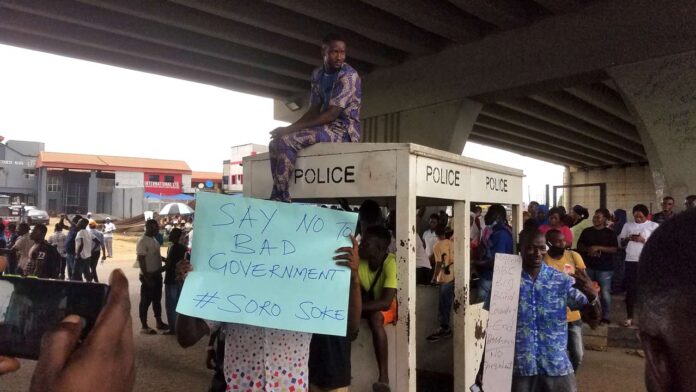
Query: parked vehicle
x: 9, y: 213
x: 34, y: 217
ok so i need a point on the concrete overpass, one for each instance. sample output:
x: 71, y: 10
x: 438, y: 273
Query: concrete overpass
x: 603, y: 87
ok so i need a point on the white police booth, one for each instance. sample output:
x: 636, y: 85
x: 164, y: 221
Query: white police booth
x: 403, y: 177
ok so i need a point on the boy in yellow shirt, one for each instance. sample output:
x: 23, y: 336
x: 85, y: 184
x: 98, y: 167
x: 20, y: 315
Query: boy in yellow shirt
x: 377, y: 272
x: 561, y: 259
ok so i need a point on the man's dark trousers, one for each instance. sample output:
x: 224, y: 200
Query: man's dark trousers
x: 150, y: 293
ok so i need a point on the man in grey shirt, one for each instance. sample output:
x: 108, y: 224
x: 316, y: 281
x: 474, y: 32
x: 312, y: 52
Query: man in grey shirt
x: 150, y: 262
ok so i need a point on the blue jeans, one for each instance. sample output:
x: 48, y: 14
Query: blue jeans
x: 484, y: 292
x: 575, y: 347
x: 604, y: 280
x: 445, y: 306
x: 70, y: 261
x: 171, y: 298
x: 80, y: 269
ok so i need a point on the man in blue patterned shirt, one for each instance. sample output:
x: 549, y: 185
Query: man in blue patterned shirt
x: 333, y: 115
x: 541, y: 361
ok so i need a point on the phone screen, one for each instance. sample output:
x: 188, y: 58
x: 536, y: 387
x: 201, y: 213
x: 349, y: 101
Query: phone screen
x: 29, y: 307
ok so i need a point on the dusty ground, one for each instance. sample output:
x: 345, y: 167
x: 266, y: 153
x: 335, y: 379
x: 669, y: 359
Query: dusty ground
x: 163, y: 366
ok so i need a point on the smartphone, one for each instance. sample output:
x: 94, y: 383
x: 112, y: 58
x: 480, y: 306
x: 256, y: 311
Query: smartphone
x: 29, y: 307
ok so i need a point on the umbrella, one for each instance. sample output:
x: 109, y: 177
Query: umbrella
x: 176, y: 208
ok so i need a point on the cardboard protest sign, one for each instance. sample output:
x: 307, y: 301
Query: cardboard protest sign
x: 502, y: 323
x: 268, y: 264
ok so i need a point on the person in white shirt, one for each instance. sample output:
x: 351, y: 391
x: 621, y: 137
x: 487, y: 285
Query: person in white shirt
x: 83, y: 251
x: 424, y: 271
x: 633, y: 237
x: 109, y: 229
x: 430, y: 238
x: 150, y: 262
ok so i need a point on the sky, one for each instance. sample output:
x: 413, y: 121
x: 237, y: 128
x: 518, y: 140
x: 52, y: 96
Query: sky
x: 83, y: 107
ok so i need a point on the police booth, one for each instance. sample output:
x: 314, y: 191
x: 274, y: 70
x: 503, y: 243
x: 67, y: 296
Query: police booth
x: 403, y: 177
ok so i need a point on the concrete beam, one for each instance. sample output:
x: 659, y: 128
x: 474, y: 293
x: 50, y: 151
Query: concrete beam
x: 604, y: 98
x: 297, y: 26
x: 553, y: 116
x: 560, y: 6
x: 49, y: 45
x: 369, y: 22
x: 661, y: 94
x: 567, y: 103
x: 92, y: 193
x: 522, y: 150
x: 42, y: 195
x: 18, y: 21
x: 445, y: 127
x: 570, y: 146
x: 505, y: 14
x: 129, y: 26
x: 541, y: 148
x: 598, y: 36
x: 215, y: 26
x: 443, y: 19
x: 551, y: 129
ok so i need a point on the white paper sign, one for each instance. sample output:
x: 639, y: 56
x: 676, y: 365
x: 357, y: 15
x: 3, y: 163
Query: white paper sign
x: 502, y: 323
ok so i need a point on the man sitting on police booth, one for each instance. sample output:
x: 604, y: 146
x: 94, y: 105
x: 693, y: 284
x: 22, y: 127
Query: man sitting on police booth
x: 333, y: 115
x: 377, y: 273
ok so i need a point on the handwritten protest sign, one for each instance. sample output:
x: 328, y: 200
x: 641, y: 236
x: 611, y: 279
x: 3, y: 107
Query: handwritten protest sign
x: 502, y: 323
x: 268, y: 264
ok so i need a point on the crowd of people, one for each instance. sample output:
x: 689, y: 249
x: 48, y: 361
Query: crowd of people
x: 72, y: 256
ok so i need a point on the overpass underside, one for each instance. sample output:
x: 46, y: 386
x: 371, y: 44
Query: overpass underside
x: 583, y: 83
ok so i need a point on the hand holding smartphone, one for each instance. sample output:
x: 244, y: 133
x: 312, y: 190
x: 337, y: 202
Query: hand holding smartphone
x: 67, y: 363
x: 30, y: 307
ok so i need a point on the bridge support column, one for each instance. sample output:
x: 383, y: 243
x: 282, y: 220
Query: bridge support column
x: 661, y: 93
x: 443, y: 126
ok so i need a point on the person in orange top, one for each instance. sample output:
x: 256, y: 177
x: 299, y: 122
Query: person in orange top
x: 443, y: 251
x: 567, y: 261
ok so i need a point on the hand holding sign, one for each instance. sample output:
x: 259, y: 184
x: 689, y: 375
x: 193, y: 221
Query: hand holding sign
x: 268, y: 264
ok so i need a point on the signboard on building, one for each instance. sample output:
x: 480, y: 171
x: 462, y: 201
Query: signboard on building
x: 163, y: 184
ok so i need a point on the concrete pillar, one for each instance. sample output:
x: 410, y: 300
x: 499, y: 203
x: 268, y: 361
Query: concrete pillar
x: 443, y: 126
x: 661, y: 93
x: 41, y: 194
x: 92, y: 192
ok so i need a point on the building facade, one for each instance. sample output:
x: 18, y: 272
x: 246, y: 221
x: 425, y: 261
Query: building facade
x: 80, y: 183
x: 232, y: 171
x: 18, y: 179
x: 205, y: 181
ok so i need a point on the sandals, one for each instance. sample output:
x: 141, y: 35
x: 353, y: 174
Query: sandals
x: 381, y: 387
x: 627, y: 323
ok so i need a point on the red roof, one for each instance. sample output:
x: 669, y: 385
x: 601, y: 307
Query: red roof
x: 200, y: 176
x: 61, y: 160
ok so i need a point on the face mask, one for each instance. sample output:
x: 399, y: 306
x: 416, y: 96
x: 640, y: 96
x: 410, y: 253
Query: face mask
x: 555, y: 251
